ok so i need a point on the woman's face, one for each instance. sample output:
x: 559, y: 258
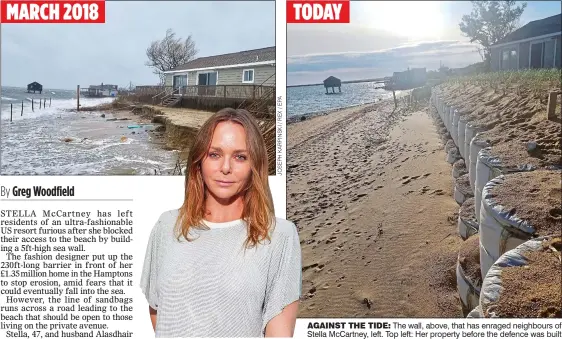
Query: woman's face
x: 226, y: 167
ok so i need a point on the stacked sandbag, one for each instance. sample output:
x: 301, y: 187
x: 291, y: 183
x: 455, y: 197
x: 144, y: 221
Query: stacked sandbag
x: 459, y: 168
x: 525, y: 282
x: 452, y: 152
x: 489, y: 166
x: 467, y: 223
x: 462, y: 189
x: 476, y: 145
x: 463, y: 120
x: 475, y: 313
x: 455, y: 126
x: 469, y: 279
x: 516, y: 208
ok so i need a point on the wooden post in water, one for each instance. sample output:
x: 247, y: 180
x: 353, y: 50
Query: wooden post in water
x: 78, y: 97
x: 39, y: 103
x: 22, y: 108
x: 44, y: 103
x: 49, y: 102
x: 33, y: 110
x: 11, y: 112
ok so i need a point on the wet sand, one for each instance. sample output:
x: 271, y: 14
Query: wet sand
x: 371, y: 194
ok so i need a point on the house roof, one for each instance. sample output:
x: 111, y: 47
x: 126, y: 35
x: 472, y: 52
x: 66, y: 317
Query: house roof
x: 103, y: 87
x: 231, y: 59
x: 535, y: 28
x: 332, y: 80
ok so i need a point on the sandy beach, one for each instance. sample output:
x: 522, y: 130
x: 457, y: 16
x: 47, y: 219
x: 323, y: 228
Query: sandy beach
x: 371, y: 194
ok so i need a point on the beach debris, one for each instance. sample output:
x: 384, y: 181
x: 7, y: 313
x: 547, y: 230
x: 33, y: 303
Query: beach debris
x: 133, y: 126
x: 531, y: 146
x: 67, y: 139
x: 103, y: 115
x: 367, y: 302
x: 123, y: 138
x: 133, y: 132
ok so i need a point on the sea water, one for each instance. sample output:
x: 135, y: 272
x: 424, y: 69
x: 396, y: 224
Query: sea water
x: 34, y: 144
x: 305, y: 100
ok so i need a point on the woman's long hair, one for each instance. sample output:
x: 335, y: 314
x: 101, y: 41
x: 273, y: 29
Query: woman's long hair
x: 258, y: 210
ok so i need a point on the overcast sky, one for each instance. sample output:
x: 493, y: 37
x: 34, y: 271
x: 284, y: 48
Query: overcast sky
x: 61, y: 56
x: 388, y: 36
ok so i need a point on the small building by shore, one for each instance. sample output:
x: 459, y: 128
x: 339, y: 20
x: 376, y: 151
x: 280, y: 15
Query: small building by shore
x: 332, y: 82
x: 101, y: 91
x: 411, y: 78
x: 35, y: 87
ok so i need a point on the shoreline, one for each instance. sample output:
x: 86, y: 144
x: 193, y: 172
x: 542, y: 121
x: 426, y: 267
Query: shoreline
x: 297, y: 118
x: 176, y: 128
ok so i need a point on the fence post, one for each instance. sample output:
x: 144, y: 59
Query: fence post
x: 11, y: 112
x: 225, y: 91
x: 551, y: 106
x: 254, y: 93
x: 22, y: 108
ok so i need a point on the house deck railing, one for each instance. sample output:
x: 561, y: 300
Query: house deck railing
x: 221, y: 91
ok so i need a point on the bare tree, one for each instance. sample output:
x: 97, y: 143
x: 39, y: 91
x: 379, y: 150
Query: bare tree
x: 170, y: 52
x: 489, y: 22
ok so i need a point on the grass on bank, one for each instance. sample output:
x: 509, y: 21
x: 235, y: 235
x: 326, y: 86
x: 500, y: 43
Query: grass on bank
x: 538, y: 81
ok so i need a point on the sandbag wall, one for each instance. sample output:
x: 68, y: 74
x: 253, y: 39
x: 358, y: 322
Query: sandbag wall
x: 468, y: 271
x: 501, y: 207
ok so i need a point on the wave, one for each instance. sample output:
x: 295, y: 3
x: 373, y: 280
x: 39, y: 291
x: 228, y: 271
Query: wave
x: 8, y: 98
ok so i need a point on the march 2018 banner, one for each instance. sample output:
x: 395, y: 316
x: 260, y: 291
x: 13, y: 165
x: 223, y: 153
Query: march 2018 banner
x: 394, y: 175
x: 52, y: 11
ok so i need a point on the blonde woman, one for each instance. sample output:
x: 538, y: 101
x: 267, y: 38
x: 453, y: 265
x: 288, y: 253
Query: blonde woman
x: 223, y: 265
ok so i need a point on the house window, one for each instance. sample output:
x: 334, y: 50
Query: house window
x: 542, y: 54
x: 207, y: 78
x: 248, y: 76
x: 509, y: 59
x: 180, y: 81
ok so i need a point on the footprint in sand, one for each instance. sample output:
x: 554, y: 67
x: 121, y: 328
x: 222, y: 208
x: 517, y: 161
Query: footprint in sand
x: 319, y: 268
x: 424, y: 189
x: 331, y: 240
x: 305, y: 268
